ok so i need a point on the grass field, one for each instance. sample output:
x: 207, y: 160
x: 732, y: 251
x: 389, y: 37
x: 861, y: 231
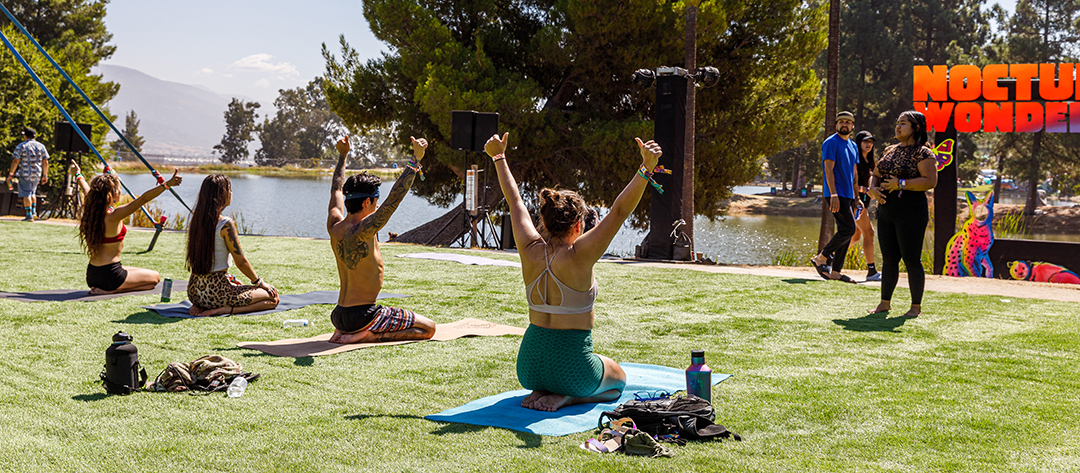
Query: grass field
x: 979, y: 383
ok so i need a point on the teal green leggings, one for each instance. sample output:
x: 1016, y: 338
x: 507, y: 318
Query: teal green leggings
x: 559, y: 361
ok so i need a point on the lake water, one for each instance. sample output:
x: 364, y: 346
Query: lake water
x: 297, y: 206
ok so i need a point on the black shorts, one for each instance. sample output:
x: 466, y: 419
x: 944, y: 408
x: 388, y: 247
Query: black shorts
x: 373, y: 317
x: 107, y: 278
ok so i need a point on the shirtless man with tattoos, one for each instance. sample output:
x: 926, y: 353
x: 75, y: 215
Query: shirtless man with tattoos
x: 355, y: 219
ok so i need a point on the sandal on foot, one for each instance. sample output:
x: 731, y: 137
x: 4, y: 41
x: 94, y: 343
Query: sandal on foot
x: 822, y: 269
x: 845, y: 278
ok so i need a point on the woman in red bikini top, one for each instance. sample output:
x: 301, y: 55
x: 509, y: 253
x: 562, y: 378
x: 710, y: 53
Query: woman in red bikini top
x: 102, y: 232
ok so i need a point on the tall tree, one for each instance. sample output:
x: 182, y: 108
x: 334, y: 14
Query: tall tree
x: 239, y: 126
x: 131, y: 133
x: 76, y: 27
x: 302, y: 132
x: 1040, y: 31
x: 558, y: 73
x: 72, y: 32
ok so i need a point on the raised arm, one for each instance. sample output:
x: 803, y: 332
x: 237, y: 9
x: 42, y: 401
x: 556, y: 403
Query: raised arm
x: 80, y: 181
x: 592, y: 245
x: 129, y: 208
x: 337, y: 198
x: 374, y: 222
x: 525, y: 232
x: 232, y: 241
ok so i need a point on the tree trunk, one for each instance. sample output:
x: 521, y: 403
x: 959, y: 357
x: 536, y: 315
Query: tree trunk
x: 830, y: 109
x: 1034, y: 175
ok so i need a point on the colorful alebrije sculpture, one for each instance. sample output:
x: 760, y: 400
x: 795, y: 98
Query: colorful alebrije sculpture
x: 1042, y: 272
x: 968, y: 253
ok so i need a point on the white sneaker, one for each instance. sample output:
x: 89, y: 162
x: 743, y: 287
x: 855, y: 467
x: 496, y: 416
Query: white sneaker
x: 875, y: 277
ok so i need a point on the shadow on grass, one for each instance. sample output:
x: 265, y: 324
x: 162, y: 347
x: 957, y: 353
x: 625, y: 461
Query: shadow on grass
x: 90, y: 397
x: 248, y: 352
x: 529, y: 440
x: 798, y: 280
x: 879, y: 322
x: 147, y: 317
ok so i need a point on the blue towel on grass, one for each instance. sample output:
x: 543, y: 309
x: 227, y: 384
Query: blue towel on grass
x: 504, y: 410
x: 285, y: 302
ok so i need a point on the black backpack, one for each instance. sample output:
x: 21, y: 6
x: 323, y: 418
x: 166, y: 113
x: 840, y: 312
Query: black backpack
x: 688, y: 417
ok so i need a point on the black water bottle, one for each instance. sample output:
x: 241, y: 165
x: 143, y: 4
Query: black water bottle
x: 121, y: 374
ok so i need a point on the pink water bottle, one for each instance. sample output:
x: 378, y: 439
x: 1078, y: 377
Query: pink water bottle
x: 699, y: 376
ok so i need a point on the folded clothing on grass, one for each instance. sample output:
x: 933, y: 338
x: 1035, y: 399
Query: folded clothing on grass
x: 83, y: 295
x: 285, y: 302
x: 320, y: 345
x: 504, y: 410
x: 463, y: 259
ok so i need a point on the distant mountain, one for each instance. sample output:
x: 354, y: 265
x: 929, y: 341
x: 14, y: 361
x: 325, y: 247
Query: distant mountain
x: 175, y: 119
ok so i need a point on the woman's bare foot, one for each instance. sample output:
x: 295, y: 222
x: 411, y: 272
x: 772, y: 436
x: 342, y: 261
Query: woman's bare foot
x: 553, y: 402
x: 219, y: 311
x: 884, y: 306
x: 96, y: 291
x: 195, y: 310
x: 532, y: 397
x: 915, y: 311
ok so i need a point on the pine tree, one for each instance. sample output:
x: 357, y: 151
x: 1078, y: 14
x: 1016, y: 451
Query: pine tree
x: 239, y: 126
x: 131, y: 132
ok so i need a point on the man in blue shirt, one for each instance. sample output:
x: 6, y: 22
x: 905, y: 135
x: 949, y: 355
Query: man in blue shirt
x: 838, y: 159
x: 32, y: 162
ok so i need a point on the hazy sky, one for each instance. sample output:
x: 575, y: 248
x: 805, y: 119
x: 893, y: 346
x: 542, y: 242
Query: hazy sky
x: 246, y: 47
x: 243, y: 47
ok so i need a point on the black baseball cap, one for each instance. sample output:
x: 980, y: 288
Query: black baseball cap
x: 863, y: 136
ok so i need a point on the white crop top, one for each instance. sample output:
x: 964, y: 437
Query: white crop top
x: 222, y: 257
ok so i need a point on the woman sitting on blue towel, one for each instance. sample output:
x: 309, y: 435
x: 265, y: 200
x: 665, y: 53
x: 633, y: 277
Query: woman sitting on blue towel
x: 556, y: 360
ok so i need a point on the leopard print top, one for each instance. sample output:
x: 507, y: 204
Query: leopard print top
x: 903, y: 161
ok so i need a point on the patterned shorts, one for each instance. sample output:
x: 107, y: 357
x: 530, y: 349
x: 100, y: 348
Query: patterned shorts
x: 220, y: 289
x: 372, y: 317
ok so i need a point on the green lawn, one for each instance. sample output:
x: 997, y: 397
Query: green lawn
x: 980, y: 383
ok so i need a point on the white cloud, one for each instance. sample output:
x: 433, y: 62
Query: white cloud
x: 262, y: 83
x: 206, y: 70
x: 262, y: 63
x: 227, y: 76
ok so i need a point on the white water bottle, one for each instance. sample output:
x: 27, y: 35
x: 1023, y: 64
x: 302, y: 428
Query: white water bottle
x: 237, y: 386
x: 295, y: 323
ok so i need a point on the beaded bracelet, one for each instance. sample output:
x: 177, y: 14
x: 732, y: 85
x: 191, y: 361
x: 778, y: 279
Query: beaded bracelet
x: 78, y: 176
x: 498, y: 157
x: 415, y: 166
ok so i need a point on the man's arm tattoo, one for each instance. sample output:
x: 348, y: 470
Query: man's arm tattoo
x: 374, y: 222
x: 339, y: 175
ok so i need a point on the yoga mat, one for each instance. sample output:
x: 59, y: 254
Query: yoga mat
x: 319, y: 346
x: 83, y: 295
x: 504, y: 410
x: 463, y: 259
x: 285, y: 302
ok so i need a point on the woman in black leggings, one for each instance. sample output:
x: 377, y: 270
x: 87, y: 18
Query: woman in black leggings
x: 903, y: 175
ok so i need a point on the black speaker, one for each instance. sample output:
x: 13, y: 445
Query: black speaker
x: 469, y: 130
x: 66, y: 139
x: 485, y: 125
